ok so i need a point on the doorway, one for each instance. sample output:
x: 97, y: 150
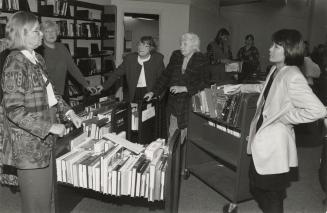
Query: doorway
x: 137, y: 25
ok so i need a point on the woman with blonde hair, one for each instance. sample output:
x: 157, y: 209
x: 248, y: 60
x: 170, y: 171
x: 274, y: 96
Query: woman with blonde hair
x: 58, y: 59
x: 30, y: 107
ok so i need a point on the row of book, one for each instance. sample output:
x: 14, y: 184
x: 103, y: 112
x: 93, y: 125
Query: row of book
x: 218, y: 105
x: 106, y: 117
x: 115, y: 166
x: 55, y: 7
x: 14, y: 5
x: 83, y: 30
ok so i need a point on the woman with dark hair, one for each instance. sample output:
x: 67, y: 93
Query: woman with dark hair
x: 141, y: 69
x: 219, y: 51
x: 285, y: 99
x: 249, y: 55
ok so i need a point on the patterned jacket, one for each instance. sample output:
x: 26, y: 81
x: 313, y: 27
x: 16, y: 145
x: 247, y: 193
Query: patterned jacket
x: 193, y: 79
x: 28, y: 117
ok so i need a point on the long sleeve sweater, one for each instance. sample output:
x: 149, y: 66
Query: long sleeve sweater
x: 58, y: 61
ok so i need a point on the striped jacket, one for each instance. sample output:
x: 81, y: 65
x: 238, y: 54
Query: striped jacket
x: 28, y: 117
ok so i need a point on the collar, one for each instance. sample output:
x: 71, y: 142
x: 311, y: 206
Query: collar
x: 189, y: 56
x: 30, y: 56
x: 141, y: 61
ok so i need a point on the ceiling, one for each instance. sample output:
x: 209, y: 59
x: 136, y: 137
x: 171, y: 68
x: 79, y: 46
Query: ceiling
x: 223, y: 3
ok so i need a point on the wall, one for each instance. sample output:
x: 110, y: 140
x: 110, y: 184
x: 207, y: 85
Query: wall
x: 204, y: 20
x: 262, y: 19
x: 141, y: 28
x: 317, y: 24
x: 173, y: 22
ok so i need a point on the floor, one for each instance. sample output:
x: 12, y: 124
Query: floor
x: 304, y: 196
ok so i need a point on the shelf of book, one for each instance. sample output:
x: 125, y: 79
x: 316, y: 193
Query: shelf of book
x: 222, y: 162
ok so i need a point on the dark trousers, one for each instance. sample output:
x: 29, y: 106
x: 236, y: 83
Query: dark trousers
x: 269, y: 201
x: 269, y: 191
x: 36, y: 187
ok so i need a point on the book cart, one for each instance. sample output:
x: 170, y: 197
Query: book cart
x: 221, y: 160
x: 68, y: 196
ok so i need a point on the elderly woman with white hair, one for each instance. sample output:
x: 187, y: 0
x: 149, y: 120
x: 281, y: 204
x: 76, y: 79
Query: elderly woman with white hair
x: 183, y: 77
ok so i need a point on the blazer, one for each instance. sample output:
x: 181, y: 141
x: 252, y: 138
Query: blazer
x: 132, y: 69
x: 290, y: 101
x: 27, y: 115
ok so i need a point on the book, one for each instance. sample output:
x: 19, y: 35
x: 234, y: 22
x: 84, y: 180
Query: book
x: 140, y: 178
x: 154, y: 164
x: 136, y: 167
x: 136, y: 148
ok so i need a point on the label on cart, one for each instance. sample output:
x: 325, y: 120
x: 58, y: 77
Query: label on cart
x: 148, y: 113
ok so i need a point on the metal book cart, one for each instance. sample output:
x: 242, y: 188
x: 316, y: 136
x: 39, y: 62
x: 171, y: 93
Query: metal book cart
x: 221, y: 160
x: 67, y: 197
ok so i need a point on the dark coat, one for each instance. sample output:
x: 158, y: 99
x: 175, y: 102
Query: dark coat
x: 193, y: 79
x: 132, y: 69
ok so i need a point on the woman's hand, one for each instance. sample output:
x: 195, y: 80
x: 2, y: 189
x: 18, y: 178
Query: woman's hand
x: 77, y: 121
x: 92, y: 90
x: 58, y: 129
x: 99, y: 88
x: 177, y: 89
x: 148, y: 96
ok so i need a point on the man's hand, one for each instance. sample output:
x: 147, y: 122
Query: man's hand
x: 58, y: 129
x: 148, y: 96
x: 177, y: 89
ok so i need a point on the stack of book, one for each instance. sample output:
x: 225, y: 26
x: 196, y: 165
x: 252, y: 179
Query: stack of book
x: 115, y: 166
x: 214, y: 103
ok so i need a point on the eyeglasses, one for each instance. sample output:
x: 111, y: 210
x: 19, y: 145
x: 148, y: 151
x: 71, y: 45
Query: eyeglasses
x: 140, y: 44
x: 38, y: 32
x: 50, y: 31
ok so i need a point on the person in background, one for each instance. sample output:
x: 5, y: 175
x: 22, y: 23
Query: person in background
x: 306, y: 49
x: 249, y: 55
x: 183, y: 77
x: 30, y: 105
x: 285, y: 100
x: 58, y: 59
x: 219, y: 53
x: 141, y: 68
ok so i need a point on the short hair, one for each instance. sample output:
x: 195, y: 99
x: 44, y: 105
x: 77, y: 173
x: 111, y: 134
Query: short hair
x: 49, y: 24
x: 17, y: 27
x: 291, y: 41
x: 249, y: 36
x: 149, y: 41
x: 194, y: 39
x: 221, y: 32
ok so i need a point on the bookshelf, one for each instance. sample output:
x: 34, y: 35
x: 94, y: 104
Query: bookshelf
x: 222, y: 162
x: 88, y: 30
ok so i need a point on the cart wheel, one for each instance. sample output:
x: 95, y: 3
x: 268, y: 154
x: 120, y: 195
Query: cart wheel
x: 230, y: 208
x: 186, y: 174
